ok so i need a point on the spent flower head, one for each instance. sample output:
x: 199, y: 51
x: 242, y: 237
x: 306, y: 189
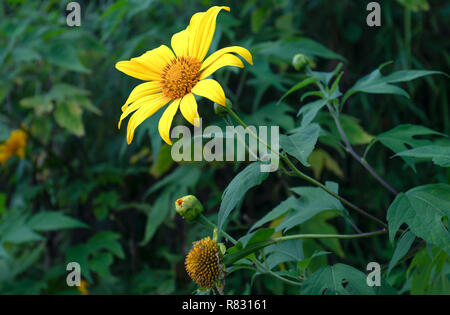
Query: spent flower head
x: 176, y: 76
x: 203, y: 263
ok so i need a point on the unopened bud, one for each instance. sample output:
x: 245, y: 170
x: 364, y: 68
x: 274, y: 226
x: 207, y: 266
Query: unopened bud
x: 189, y: 207
x: 300, y: 61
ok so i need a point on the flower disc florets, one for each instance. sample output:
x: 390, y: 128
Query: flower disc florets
x: 203, y: 263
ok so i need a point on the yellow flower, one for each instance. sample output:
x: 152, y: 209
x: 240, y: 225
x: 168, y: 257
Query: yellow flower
x: 176, y: 76
x: 82, y: 288
x: 203, y: 263
x: 14, y: 145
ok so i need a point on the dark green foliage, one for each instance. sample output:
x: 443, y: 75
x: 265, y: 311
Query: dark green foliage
x: 82, y: 194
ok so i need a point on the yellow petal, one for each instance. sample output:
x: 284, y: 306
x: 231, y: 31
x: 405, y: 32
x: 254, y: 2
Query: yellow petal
x: 201, y: 31
x: 139, y: 103
x: 241, y: 51
x: 210, y: 89
x: 166, y: 121
x: 180, y: 43
x: 142, y: 114
x: 188, y: 108
x: 141, y: 90
x: 222, y: 61
x: 149, y: 65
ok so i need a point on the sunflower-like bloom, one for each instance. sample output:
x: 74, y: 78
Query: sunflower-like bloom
x: 175, y: 76
x: 14, y: 145
x: 203, y: 263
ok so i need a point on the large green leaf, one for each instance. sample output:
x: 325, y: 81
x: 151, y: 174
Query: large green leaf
x: 286, y: 205
x: 249, y: 177
x: 376, y: 83
x: 440, y: 155
x: 423, y: 209
x: 329, y: 280
x: 301, y: 142
x: 282, y: 252
x: 285, y: 49
x: 312, y: 201
x: 53, y: 220
x: 399, y: 137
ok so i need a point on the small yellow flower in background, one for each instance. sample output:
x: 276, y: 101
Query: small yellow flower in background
x: 203, y: 263
x: 82, y: 288
x: 14, y: 145
x: 177, y: 77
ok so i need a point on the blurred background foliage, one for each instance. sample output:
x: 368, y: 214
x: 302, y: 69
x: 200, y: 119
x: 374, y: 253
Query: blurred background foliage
x: 82, y: 194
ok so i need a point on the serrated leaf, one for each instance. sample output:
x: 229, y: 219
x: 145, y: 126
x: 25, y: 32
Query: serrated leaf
x: 422, y: 209
x: 399, y: 137
x: 440, y: 155
x: 329, y: 280
x: 376, y: 83
x: 312, y: 201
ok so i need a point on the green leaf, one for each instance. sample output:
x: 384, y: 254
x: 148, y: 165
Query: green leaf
x: 312, y: 201
x: 290, y: 250
x: 286, y: 49
x: 63, y: 54
x: 399, y: 137
x: 260, y: 235
x: 40, y: 104
x: 54, y: 220
x: 286, y: 205
x: 440, y: 155
x: 423, y: 209
x: 249, y: 177
x: 403, y: 246
x: 376, y: 83
x: 301, y: 142
x: 310, y: 110
x: 68, y: 115
x: 298, y: 86
x: 329, y: 280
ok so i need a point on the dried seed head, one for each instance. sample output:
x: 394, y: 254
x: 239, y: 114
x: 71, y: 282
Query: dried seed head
x: 203, y: 263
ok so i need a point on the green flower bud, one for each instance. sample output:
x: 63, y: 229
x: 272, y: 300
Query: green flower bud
x: 221, y: 110
x: 189, y: 207
x: 300, y: 61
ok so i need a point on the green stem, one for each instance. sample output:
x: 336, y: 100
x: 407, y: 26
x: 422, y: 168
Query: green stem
x: 202, y: 219
x: 341, y: 236
x: 302, y: 175
x: 262, y: 269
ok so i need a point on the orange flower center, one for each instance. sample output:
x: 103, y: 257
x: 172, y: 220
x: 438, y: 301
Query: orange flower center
x: 179, y: 77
